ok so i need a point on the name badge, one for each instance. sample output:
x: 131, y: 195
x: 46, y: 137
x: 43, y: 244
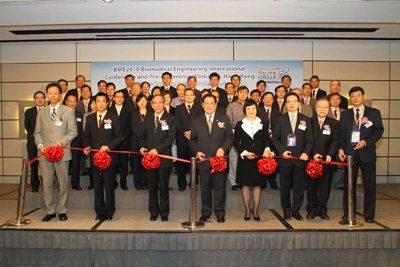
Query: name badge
x: 355, y: 136
x: 78, y: 119
x: 368, y: 124
x: 302, y: 127
x: 164, y: 127
x: 291, y: 140
x: 107, y: 126
x: 326, y: 132
x: 58, y: 123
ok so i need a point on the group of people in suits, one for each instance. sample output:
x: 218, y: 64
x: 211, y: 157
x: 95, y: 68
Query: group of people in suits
x: 302, y: 123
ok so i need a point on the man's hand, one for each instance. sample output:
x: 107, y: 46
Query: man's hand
x: 58, y: 143
x: 153, y: 152
x: 342, y: 155
x: 104, y: 148
x: 42, y: 149
x: 287, y: 154
x: 142, y: 150
x: 86, y: 150
x: 200, y: 155
x: 304, y: 156
x: 220, y: 152
x: 360, y: 145
x: 267, y: 154
x: 328, y: 158
x: 250, y: 155
x: 187, y: 135
x: 317, y: 157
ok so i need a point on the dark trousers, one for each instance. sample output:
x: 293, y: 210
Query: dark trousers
x: 183, y: 152
x: 123, y: 167
x: 318, y: 191
x: 139, y: 173
x: 292, y: 177
x: 213, y: 184
x: 368, y: 175
x: 32, y: 153
x: 75, y: 167
x: 104, y: 192
x: 158, y: 182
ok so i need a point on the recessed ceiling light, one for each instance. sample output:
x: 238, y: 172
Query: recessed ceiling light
x: 107, y: 1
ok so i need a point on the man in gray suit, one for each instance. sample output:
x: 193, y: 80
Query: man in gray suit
x: 55, y: 126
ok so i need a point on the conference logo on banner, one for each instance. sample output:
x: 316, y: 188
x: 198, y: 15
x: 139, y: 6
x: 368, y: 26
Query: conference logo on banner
x: 150, y: 71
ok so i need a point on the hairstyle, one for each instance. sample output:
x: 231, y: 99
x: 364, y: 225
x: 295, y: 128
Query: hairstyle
x: 261, y: 81
x: 188, y: 89
x: 166, y: 92
x: 214, y: 74
x: 248, y: 103
x: 62, y: 80
x: 235, y: 75
x: 166, y: 73
x: 207, y: 96
x: 139, y: 97
x: 85, y: 85
x: 162, y: 96
x: 119, y: 92
x: 229, y: 83
x: 242, y: 88
x: 77, y: 76
x: 53, y: 85
x: 129, y: 76
x: 292, y: 94
x: 335, y: 81
x: 92, y: 99
x: 279, y: 86
x: 101, y: 81
x: 314, y: 77
x: 192, y: 77
x: 286, y: 76
x: 356, y: 89
x: 332, y: 95
x: 181, y: 84
x: 155, y: 88
x: 76, y: 97
x: 304, y: 84
x: 39, y: 92
x: 110, y: 84
x: 100, y: 94
x: 267, y: 93
x: 143, y: 83
x: 325, y: 98
x: 255, y: 91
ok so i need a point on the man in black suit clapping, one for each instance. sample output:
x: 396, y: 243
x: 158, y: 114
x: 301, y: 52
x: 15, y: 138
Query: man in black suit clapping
x: 157, y: 138
x: 211, y: 135
x: 360, y: 128
x: 30, y: 123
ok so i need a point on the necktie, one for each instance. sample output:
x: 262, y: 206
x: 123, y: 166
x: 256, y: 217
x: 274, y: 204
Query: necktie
x: 86, y: 104
x: 230, y: 100
x: 268, y: 113
x: 157, y: 121
x: 99, y: 122
x: 189, y: 107
x: 357, y: 114
x: 321, y: 122
x: 313, y: 93
x: 209, y: 123
x: 335, y: 113
x: 79, y: 93
x: 53, y: 114
x: 293, y: 122
x: 306, y: 101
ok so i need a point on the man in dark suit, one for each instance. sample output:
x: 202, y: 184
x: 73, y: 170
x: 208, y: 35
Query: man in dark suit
x: 80, y: 80
x: 279, y: 103
x: 316, y: 91
x: 211, y: 135
x: 326, y: 142
x: 166, y: 79
x: 360, y: 127
x: 306, y: 98
x: 286, y: 81
x: 83, y: 104
x: 185, y: 114
x: 123, y: 113
x: 192, y: 84
x: 129, y: 81
x: 103, y: 132
x: 292, y: 136
x: 334, y: 87
x: 77, y: 142
x: 214, y: 81
x: 30, y: 123
x: 261, y: 86
x: 230, y: 92
x: 157, y: 138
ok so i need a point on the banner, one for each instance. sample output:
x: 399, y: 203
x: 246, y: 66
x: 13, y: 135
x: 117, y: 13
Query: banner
x: 151, y: 71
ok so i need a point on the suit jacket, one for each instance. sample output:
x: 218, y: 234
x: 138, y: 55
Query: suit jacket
x: 330, y: 114
x: 257, y: 144
x: 184, y: 121
x: 325, y: 143
x: 202, y: 141
x: 344, y: 102
x: 125, y: 92
x: 171, y: 89
x: 71, y: 92
x: 78, y: 141
x: 223, y: 97
x: 304, y: 138
x: 312, y: 102
x: 81, y: 106
x: 233, y: 99
x: 30, y: 122
x: 156, y: 138
x: 320, y: 93
x: 370, y: 135
x: 96, y: 137
x: 47, y: 133
x: 275, y: 105
x: 274, y: 114
x: 306, y: 110
x: 124, y: 120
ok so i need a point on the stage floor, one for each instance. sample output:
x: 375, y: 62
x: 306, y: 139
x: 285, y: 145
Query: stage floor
x: 137, y: 220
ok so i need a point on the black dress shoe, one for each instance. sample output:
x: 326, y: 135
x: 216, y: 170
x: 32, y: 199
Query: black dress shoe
x: 164, y: 218
x: 369, y: 220
x: 153, y: 217
x: 256, y: 217
x: 324, y: 216
x: 90, y: 187
x: 115, y: 185
x: 235, y: 187
x: 144, y: 187
x: 287, y: 216
x: 62, y: 217
x: 311, y: 216
x: 124, y: 187
x: 297, y: 216
x: 48, y: 217
x: 109, y: 217
x: 220, y: 219
x: 246, y: 218
x: 77, y: 187
x: 344, y: 220
x: 204, y: 218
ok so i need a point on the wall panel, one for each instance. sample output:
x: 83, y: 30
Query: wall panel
x: 361, y: 71
x: 49, y: 72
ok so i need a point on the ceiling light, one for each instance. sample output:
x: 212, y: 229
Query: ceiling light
x: 107, y: 1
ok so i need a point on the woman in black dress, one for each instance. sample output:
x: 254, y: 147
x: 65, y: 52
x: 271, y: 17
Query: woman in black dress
x: 251, y: 139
